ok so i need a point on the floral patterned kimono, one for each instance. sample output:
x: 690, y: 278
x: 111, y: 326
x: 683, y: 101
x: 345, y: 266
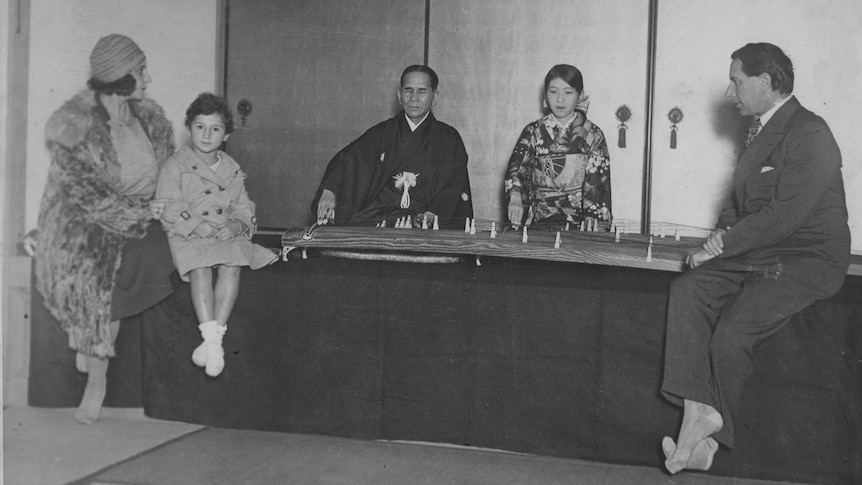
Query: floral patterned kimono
x: 562, y: 172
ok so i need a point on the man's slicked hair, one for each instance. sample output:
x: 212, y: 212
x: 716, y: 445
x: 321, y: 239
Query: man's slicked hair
x: 759, y: 58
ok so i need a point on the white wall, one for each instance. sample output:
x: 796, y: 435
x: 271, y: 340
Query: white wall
x: 4, y: 54
x: 178, y: 38
x: 4, y: 93
x: 823, y: 38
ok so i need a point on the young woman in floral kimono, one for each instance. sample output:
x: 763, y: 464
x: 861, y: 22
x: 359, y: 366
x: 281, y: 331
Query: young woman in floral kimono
x: 209, y: 220
x: 559, y: 171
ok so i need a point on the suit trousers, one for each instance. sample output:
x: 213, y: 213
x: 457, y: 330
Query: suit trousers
x: 715, y: 320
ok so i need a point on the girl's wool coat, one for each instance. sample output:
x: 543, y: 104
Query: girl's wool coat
x: 200, y: 193
x: 85, y: 218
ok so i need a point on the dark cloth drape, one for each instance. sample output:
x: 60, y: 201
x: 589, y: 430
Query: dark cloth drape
x: 540, y: 358
x: 544, y: 358
x: 54, y: 382
x: 143, y: 280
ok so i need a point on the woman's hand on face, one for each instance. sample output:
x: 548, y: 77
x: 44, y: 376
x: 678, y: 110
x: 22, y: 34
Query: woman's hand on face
x: 516, y: 209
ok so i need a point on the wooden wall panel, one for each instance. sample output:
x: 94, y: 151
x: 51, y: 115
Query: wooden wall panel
x: 492, y: 58
x: 318, y: 73
x: 321, y: 72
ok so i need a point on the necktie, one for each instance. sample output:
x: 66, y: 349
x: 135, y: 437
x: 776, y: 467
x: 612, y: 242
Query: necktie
x: 752, y: 132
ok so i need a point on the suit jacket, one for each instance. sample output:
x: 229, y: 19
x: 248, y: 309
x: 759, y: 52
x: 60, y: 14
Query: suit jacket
x: 788, y: 211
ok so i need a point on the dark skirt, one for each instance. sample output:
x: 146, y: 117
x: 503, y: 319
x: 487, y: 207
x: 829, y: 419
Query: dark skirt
x: 143, y: 278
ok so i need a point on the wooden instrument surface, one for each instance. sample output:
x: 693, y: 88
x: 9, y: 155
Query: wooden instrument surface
x: 632, y: 250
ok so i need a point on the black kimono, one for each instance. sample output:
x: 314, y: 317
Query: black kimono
x: 364, y: 176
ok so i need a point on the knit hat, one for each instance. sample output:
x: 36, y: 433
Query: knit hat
x: 114, y: 56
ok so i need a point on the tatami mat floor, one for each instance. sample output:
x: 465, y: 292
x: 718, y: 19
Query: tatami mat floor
x: 46, y: 446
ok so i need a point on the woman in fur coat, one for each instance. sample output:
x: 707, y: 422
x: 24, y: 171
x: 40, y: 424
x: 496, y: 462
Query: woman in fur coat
x: 98, y: 257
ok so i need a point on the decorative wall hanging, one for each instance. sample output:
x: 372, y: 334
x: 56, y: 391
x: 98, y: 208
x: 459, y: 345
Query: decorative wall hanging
x: 244, y: 109
x: 675, y: 116
x: 623, y: 114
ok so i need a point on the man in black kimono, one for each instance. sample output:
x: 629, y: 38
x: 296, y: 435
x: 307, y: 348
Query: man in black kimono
x: 410, y: 165
x: 781, y: 243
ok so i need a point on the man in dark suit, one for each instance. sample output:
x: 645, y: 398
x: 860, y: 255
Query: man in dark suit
x: 781, y: 243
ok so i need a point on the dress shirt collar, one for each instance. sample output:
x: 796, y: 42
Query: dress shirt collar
x: 769, y: 114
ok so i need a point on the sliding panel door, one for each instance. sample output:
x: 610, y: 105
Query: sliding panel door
x: 492, y: 57
x: 316, y: 73
x: 823, y: 38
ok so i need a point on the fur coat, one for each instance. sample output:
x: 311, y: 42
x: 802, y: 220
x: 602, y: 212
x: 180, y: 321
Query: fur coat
x: 84, y: 217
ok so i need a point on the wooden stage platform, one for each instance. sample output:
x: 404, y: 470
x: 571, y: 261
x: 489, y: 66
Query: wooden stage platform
x: 557, y: 354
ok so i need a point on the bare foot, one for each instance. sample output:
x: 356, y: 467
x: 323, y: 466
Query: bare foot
x: 701, y: 457
x: 699, y: 422
x: 91, y: 404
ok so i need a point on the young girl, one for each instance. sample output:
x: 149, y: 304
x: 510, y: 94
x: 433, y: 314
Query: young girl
x: 209, y: 221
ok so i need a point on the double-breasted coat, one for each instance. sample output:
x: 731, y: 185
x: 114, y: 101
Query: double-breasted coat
x: 198, y: 193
